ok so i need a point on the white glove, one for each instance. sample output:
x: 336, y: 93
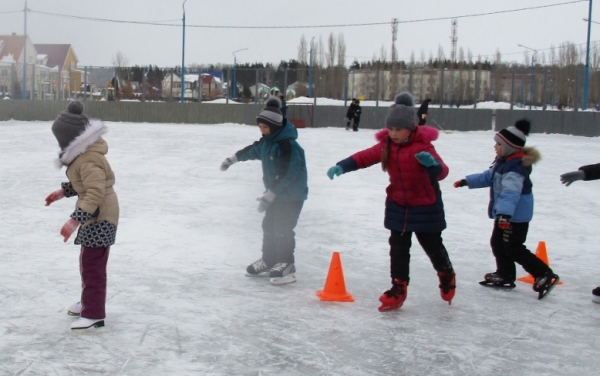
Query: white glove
x: 228, y: 162
x: 266, y: 200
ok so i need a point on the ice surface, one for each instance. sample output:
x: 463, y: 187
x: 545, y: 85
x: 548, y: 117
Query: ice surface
x: 178, y: 300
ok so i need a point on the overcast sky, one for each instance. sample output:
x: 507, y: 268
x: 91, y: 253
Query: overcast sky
x: 96, y: 43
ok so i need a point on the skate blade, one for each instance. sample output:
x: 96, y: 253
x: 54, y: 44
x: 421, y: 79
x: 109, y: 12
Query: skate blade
x: 543, y: 293
x: 497, y: 286
x: 261, y: 275
x: 73, y: 314
x: 290, y: 278
x: 97, y: 324
x: 386, y: 308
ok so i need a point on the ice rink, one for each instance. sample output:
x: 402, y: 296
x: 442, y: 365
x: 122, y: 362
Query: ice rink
x: 178, y: 300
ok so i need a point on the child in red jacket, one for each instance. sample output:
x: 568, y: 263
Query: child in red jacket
x: 414, y: 201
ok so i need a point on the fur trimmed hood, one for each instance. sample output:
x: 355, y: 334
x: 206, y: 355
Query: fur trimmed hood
x: 531, y: 156
x: 423, y: 133
x: 93, y: 132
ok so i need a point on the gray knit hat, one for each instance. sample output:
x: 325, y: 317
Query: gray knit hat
x: 402, y: 113
x: 69, y: 124
x: 271, y: 115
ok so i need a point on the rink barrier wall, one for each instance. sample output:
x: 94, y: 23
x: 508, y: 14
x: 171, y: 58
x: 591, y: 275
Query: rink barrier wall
x: 451, y: 119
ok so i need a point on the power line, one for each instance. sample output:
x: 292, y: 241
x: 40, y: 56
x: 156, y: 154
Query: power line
x: 161, y: 23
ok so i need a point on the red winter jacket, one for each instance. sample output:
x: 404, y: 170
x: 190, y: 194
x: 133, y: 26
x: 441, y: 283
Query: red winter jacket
x: 409, y: 181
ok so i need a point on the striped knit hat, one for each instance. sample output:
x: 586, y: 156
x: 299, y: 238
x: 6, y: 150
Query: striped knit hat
x: 513, y: 138
x: 271, y: 115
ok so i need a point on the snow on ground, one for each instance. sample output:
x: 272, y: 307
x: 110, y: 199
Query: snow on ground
x: 178, y: 300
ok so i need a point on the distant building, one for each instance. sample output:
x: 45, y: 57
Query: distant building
x: 63, y: 58
x: 13, y: 48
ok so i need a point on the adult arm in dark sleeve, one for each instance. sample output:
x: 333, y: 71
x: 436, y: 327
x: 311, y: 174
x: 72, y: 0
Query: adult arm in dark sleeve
x: 592, y: 172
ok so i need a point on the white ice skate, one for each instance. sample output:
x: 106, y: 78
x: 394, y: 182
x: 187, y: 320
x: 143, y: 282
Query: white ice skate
x: 75, y: 309
x: 83, y: 323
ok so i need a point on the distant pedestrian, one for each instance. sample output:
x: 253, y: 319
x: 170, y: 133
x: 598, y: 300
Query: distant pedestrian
x: 283, y: 106
x: 83, y: 153
x: 585, y: 173
x: 353, y: 115
x: 422, y: 111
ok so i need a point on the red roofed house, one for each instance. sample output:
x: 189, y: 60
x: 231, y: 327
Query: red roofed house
x: 11, y: 61
x: 63, y: 58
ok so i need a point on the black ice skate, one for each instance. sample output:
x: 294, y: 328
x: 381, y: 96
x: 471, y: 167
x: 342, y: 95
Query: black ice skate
x: 498, y: 281
x: 544, y: 284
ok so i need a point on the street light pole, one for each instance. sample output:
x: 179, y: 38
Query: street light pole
x: 532, y: 73
x: 310, y: 68
x: 586, y: 77
x: 24, y: 91
x: 183, y: 56
x: 234, y: 83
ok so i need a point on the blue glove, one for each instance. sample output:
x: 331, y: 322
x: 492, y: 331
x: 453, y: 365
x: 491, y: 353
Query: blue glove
x: 426, y: 159
x: 334, y: 171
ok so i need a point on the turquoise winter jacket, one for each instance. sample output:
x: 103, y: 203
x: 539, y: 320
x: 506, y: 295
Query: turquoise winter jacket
x: 283, y: 163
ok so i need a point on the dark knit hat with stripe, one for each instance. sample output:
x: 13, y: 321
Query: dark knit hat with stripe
x: 513, y: 138
x: 271, y: 115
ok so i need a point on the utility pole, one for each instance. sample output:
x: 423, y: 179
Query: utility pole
x: 394, y: 57
x: 586, y: 78
x: 310, y: 67
x: 453, y: 39
x: 183, y: 55
x: 24, y: 91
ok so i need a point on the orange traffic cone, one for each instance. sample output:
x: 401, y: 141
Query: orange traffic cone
x: 542, y: 255
x: 335, y: 288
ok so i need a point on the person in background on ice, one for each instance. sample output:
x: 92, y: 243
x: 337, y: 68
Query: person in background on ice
x: 414, y: 200
x: 585, y: 173
x: 422, y: 111
x: 283, y: 106
x: 353, y: 115
x: 285, y: 180
x: 511, y: 207
x: 83, y: 153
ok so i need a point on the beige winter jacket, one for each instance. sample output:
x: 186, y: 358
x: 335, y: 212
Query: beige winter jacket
x: 91, y: 176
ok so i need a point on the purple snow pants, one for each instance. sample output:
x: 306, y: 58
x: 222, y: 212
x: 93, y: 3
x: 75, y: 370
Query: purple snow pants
x: 92, y: 266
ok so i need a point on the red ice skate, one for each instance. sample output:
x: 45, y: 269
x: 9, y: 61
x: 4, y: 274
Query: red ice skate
x: 394, y: 297
x: 447, y: 285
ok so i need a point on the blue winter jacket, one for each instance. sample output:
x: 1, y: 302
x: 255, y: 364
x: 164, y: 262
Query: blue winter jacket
x: 510, y: 187
x: 283, y: 163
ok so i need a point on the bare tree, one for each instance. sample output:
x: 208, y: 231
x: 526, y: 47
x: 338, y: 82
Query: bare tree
x: 440, y: 54
x: 552, y: 55
x: 331, y: 48
x: 119, y: 60
x: 302, y: 49
x: 321, y: 52
x: 341, y: 51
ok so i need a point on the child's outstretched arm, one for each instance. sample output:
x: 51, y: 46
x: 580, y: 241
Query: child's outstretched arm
x: 362, y: 159
x: 482, y: 180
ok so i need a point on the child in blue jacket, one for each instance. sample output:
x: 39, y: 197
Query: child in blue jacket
x: 511, y: 207
x: 285, y: 180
